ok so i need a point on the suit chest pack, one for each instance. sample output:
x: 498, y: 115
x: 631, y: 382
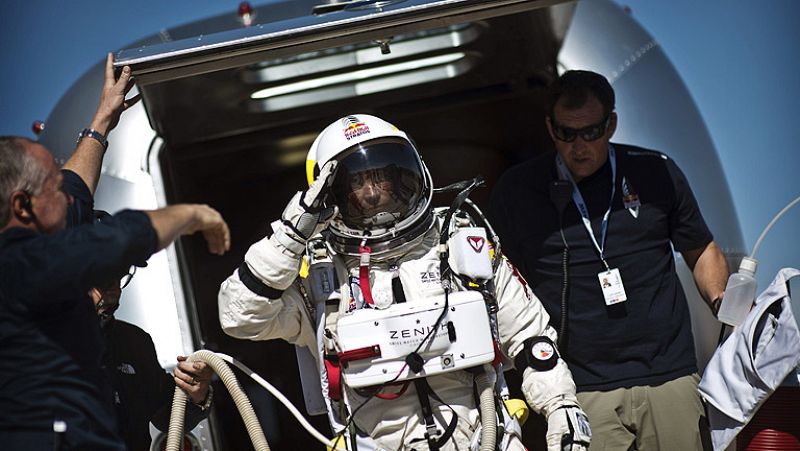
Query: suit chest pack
x: 374, y: 343
x: 369, y: 345
x: 469, y: 253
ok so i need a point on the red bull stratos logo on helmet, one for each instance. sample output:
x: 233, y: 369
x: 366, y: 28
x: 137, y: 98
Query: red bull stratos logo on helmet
x: 353, y: 127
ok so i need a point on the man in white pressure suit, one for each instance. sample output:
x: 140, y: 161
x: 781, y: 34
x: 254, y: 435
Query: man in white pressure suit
x: 404, y: 308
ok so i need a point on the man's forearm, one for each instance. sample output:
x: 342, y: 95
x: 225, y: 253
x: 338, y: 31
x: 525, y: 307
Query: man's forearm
x: 87, y: 161
x: 172, y: 222
x: 185, y: 219
x: 710, y: 273
x: 88, y: 157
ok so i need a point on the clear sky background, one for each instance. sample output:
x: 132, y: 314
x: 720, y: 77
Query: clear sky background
x: 739, y: 59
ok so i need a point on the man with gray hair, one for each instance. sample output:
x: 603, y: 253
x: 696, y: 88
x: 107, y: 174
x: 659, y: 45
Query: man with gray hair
x: 53, y: 393
x: 31, y: 174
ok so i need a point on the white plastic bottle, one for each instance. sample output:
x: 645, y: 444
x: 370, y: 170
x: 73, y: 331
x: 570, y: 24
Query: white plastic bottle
x: 739, y: 294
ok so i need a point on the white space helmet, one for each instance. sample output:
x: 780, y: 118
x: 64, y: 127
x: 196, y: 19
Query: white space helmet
x: 380, y: 184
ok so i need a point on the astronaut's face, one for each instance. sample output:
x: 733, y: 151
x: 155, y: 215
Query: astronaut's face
x: 371, y: 191
x: 377, y: 183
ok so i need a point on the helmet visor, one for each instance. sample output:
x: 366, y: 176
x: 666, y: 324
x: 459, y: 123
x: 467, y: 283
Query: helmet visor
x: 378, y: 183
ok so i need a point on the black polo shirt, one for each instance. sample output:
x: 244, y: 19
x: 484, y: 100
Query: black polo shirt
x: 50, y: 340
x: 647, y: 339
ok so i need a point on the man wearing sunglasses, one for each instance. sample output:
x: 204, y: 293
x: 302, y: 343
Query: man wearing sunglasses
x: 592, y: 227
x: 142, y: 390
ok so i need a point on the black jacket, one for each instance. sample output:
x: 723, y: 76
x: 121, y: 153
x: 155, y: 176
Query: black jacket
x: 51, y: 345
x: 143, y: 391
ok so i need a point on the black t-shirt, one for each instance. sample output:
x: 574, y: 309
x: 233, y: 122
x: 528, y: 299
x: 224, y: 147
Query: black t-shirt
x: 50, y: 340
x: 647, y: 339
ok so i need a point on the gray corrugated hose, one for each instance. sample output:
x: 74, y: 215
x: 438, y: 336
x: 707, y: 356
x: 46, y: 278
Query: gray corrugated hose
x: 485, y: 383
x: 176, y: 420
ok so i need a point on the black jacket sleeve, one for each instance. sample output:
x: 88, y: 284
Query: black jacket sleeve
x: 81, y: 211
x: 65, y: 265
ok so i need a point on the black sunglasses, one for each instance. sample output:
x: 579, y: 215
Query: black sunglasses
x: 588, y: 133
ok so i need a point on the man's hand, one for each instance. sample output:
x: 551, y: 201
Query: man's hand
x: 186, y: 219
x: 568, y: 429
x: 306, y: 216
x: 87, y: 160
x: 716, y: 303
x: 214, y: 228
x: 112, y: 98
x: 194, y: 378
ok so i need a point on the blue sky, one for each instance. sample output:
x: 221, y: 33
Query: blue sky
x: 738, y: 58
x: 740, y: 61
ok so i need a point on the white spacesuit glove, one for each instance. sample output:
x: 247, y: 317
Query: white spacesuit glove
x: 568, y: 429
x: 549, y: 390
x: 305, y: 215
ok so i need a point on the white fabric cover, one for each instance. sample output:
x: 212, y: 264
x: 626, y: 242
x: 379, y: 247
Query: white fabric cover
x: 737, y: 380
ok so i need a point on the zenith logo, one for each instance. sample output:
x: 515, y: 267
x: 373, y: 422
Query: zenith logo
x: 476, y: 242
x: 415, y: 332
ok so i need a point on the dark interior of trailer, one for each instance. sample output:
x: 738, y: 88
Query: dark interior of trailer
x: 248, y: 163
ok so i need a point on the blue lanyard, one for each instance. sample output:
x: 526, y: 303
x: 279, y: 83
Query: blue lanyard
x: 578, y: 199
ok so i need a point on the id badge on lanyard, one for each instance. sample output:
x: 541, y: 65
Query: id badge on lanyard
x: 610, y: 280
x: 611, y: 284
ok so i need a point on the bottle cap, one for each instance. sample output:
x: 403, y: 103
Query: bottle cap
x: 748, y: 264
